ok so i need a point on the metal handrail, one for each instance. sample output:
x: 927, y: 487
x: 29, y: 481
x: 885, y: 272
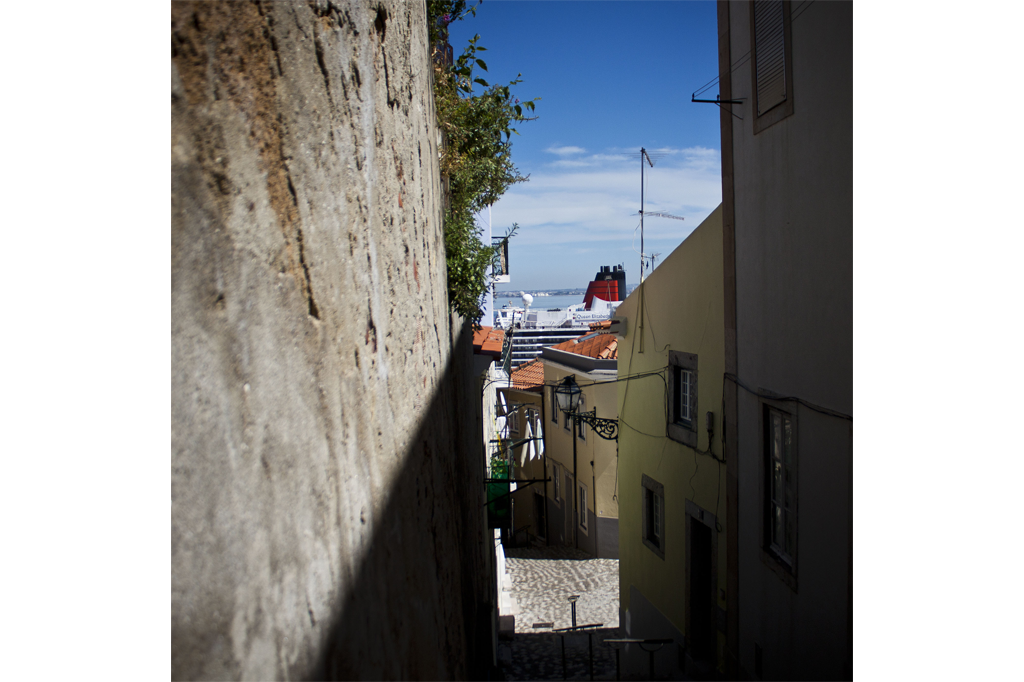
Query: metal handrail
x: 590, y: 643
x: 641, y: 642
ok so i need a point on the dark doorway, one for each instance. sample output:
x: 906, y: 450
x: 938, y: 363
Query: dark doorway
x: 701, y: 594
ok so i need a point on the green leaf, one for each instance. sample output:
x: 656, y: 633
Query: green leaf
x: 483, y: 49
x: 482, y: 64
x: 481, y: 81
x: 519, y: 110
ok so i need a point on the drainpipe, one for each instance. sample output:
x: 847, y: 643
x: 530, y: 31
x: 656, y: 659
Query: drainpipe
x: 593, y: 495
x: 544, y: 463
x: 575, y: 485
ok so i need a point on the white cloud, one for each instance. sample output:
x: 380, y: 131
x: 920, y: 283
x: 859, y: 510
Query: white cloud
x: 589, y: 204
x: 565, y: 151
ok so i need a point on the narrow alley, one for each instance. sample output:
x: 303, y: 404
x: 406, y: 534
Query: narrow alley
x: 542, y: 581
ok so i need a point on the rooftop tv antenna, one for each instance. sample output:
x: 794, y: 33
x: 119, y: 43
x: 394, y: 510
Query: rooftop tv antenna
x: 644, y: 156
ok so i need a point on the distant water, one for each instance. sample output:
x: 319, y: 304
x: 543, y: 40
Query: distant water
x: 539, y: 302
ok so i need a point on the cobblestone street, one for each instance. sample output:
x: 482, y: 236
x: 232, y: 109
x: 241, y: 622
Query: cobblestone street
x: 542, y: 580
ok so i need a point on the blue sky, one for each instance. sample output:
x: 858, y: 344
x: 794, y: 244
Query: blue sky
x: 612, y: 77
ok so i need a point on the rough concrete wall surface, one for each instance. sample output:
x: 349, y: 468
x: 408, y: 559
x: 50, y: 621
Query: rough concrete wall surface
x: 326, y: 516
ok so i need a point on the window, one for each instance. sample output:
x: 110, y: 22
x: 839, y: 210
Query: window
x: 683, y: 413
x: 513, y: 419
x: 771, y: 62
x: 556, y: 478
x: 653, y: 501
x: 780, y: 528
x: 583, y: 508
x: 554, y: 406
x: 682, y: 386
x: 581, y: 426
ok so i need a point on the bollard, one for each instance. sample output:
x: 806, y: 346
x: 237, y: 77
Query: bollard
x: 564, y: 676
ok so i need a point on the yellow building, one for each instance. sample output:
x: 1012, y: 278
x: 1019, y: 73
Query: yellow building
x: 672, y: 482
x: 582, y: 503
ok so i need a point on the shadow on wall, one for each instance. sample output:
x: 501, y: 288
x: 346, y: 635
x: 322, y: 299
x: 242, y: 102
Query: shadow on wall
x: 294, y: 391
x: 421, y: 603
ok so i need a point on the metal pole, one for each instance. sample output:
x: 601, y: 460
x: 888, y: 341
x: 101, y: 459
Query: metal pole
x: 564, y: 676
x: 642, y: 151
x: 618, y: 673
x: 651, y: 669
x: 575, y: 502
x: 590, y: 641
x: 574, y: 613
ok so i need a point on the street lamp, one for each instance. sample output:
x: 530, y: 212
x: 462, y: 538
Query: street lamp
x: 567, y: 397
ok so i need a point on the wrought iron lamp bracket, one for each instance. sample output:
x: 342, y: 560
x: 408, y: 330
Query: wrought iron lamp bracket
x: 605, y: 428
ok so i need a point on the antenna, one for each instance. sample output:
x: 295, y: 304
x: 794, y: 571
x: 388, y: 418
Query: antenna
x: 643, y: 155
x: 664, y: 215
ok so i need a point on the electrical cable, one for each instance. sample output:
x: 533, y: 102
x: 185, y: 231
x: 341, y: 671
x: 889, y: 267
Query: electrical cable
x: 693, y: 491
x: 643, y: 433
x: 771, y: 396
x: 625, y: 394
x: 740, y: 61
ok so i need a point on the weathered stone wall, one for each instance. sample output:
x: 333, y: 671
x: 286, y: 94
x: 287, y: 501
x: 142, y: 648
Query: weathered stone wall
x: 326, y: 481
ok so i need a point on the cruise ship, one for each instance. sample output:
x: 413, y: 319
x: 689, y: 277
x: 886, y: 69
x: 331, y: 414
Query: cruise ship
x: 532, y: 330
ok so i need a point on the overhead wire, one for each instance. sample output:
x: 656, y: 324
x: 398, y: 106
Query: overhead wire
x: 771, y: 396
x: 740, y: 61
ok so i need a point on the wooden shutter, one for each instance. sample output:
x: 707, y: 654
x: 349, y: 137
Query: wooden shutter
x: 769, y: 54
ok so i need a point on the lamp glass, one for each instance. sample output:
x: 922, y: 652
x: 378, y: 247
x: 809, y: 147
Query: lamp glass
x: 567, y: 395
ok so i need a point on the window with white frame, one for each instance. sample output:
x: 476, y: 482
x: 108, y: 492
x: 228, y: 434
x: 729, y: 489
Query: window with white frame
x: 513, y: 419
x: 780, y: 532
x: 653, y: 514
x: 682, y: 387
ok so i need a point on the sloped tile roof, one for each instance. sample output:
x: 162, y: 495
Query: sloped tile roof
x: 528, y: 376
x: 603, y: 324
x: 488, y: 341
x: 593, y: 345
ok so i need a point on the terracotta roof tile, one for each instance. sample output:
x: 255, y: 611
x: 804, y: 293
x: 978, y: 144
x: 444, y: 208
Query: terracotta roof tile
x: 528, y: 376
x: 593, y: 345
x: 488, y: 341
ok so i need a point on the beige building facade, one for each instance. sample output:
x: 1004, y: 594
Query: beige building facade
x: 582, y: 499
